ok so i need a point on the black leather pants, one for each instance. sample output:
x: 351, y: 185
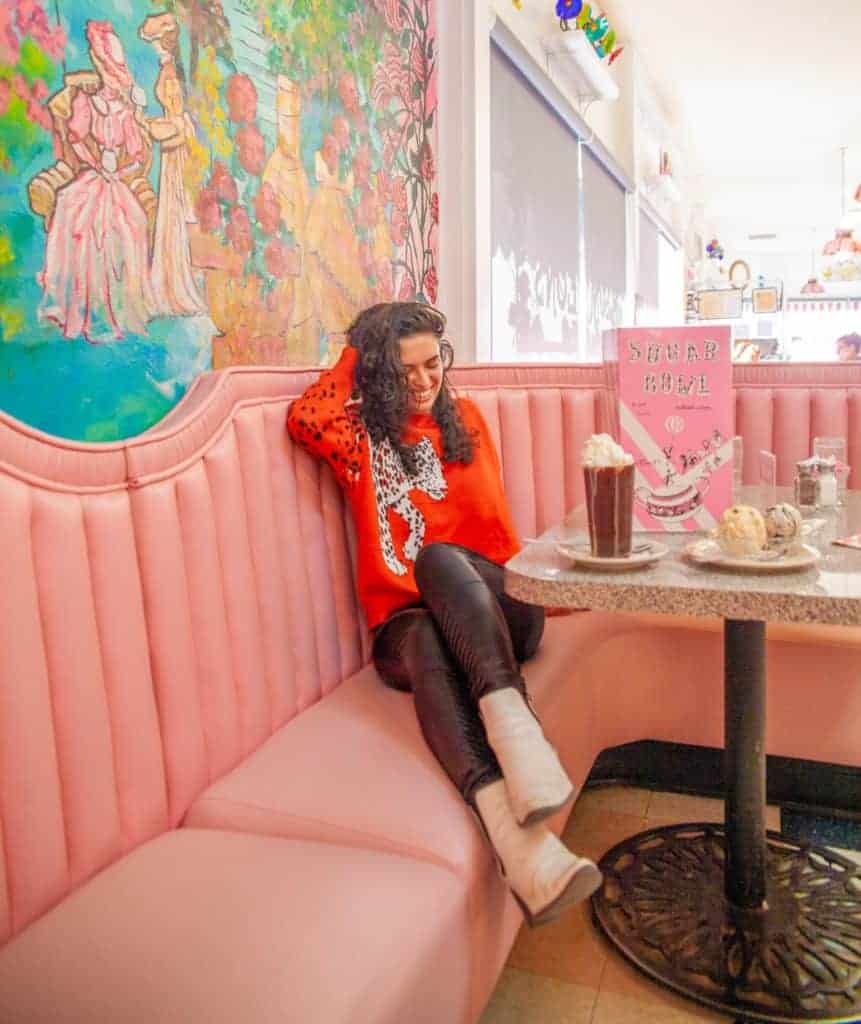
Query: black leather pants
x: 465, y: 640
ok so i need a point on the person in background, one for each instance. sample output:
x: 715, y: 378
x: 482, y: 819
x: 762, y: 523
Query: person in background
x: 849, y: 347
x: 421, y: 474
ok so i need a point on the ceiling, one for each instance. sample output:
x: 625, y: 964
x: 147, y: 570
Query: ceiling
x: 768, y: 92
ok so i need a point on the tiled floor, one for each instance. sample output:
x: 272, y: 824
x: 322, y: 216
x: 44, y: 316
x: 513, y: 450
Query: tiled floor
x: 564, y: 973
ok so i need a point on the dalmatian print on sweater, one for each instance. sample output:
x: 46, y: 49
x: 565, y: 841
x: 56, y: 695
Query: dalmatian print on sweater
x: 392, y: 486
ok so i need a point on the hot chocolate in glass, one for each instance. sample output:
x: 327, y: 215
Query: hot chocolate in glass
x: 609, y: 476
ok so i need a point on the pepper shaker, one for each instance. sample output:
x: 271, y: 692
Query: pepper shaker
x: 806, y: 483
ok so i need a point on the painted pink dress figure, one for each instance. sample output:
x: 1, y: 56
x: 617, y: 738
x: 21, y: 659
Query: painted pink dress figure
x: 96, y: 279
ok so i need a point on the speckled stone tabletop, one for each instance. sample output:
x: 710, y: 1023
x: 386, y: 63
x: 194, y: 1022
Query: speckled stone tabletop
x: 828, y: 593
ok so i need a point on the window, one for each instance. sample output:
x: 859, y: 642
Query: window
x: 535, y: 222
x: 604, y: 264
x: 660, y: 289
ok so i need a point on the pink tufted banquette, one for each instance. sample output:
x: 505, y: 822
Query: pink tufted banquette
x: 210, y: 808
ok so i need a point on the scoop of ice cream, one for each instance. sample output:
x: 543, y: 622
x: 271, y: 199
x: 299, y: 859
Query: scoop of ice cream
x: 602, y: 452
x: 741, y: 531
x: 783, y: 522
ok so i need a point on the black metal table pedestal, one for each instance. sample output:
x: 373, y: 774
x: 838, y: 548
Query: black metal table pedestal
x: 738, y: 919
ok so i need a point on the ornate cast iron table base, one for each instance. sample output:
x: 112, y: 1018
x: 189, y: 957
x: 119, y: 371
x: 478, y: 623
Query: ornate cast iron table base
x: 799, y: 959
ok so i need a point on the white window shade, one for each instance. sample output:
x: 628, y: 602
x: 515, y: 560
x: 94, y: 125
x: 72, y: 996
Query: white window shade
x: 604, y: 264
x: 535, y: 229
x: 648, y: 273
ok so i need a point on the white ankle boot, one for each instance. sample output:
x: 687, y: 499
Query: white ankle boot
x: 544, y: 876
x: 536, y: 781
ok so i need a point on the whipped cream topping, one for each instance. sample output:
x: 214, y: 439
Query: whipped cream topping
x: 602, y: 452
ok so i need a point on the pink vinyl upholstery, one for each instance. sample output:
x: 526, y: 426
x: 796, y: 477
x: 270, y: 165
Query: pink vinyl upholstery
x: 223, y: 928
x: 183, y: 662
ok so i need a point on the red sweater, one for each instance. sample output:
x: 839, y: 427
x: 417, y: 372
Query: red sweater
x: 396, y: 514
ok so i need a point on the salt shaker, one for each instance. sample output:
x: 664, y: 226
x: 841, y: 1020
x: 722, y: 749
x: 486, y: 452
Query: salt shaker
x: 827, y: 483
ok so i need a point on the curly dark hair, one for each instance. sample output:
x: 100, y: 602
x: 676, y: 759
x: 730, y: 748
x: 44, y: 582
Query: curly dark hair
x: 852, y: 341
x: 381, y: 380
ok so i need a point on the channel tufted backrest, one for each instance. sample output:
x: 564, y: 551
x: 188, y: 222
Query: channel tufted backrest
x: 166, y: 604
x: 781, y: 408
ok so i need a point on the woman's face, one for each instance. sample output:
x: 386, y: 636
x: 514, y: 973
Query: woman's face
x: 423, y: 368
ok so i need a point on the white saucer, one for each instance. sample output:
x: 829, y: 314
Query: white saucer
x: 582, y: 555
x: 707, y: 552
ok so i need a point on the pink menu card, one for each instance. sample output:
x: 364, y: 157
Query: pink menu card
x: 673, y: 412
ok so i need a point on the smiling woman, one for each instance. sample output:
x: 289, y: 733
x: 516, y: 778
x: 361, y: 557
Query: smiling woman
x: 423, y: 480
x: 423, y: 366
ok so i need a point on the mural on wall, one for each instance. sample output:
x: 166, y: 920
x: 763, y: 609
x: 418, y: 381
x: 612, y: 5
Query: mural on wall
x: 187, y: 184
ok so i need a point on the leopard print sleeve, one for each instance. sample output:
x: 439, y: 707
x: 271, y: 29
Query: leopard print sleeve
x: 325, y: 422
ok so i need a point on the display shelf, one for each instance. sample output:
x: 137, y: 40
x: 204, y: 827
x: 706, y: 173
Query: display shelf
x: 570, y: 57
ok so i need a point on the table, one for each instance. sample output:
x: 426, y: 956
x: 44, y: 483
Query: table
x: 743, y: 921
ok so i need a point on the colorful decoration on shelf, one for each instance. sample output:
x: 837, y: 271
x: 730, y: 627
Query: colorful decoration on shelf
x: 813, y: 287
x: 567, y: 10
x: 843, y: 253
x: 595, y: 26
x: 714, y: 250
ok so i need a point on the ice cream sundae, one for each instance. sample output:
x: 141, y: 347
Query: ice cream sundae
x: 783, y: 525
x: 609, y: 476
x: 741, y: 531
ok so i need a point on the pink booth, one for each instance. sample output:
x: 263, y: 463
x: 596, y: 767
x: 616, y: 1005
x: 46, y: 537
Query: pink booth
x: 210, y: 808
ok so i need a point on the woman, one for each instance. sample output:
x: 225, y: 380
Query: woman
x: 174, y: 287
x: 422, y: 477
x: 849, y: 348
x: 96, y: 277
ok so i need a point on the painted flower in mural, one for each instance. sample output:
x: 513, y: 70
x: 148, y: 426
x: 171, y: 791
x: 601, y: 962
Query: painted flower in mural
x: 331, y: 152
x: 10, y: 48
x: 348, y: 92
x: 267, y: 212
x: 251, y: 149
x: 277, y: 258
x: 430, y: 284
x: 399, y: 227
x: 222, y: 183
x: 384, y: 185
x: 362, y: 166
x: 399, y: 193
x: 239, y: 231
x: 208, y: 211
x: 5, y: 95
x: 241, y: 96
x: 407, y: 289
x: 391, y: 78
x: 367, y: 212
x: 31, y: 20
x: 428, y: 164
x: 435, y: 207
x: 391, y: 11
x: 341, y: 131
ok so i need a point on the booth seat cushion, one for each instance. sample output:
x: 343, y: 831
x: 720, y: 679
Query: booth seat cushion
x: 355, y: 768
x: 201, y: 926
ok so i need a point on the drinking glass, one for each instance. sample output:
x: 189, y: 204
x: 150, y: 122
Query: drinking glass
x: 834, y: 448
x: 610, y: 509
x: 768, y: 477
x: 737, y: 462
